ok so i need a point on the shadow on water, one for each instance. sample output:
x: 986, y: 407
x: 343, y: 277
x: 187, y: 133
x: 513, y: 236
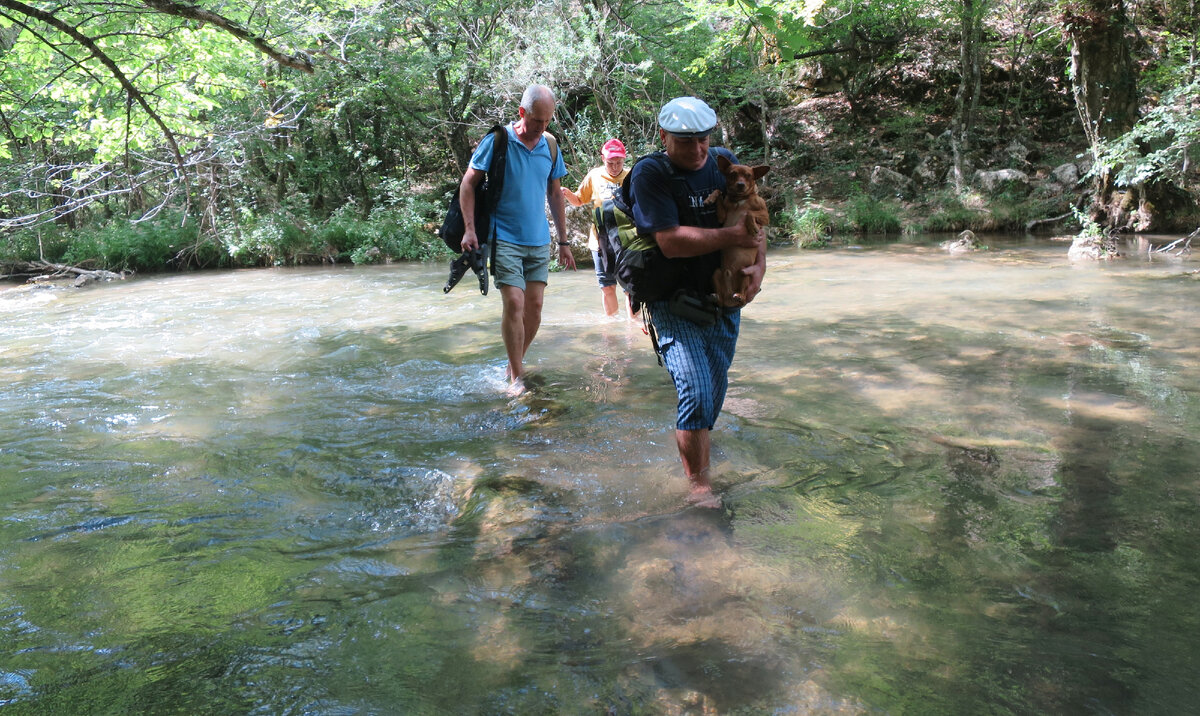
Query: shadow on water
x: 951, y: 487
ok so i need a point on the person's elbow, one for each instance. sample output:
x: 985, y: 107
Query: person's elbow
x: 670, y: 244
x: 670, y: 249
x: 471, y: 178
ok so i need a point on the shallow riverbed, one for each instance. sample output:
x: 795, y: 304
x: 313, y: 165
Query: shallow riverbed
x: 953, y: 485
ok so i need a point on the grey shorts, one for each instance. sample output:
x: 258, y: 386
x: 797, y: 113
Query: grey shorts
x: 517, y: 265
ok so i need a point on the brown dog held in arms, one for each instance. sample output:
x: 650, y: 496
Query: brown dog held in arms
x: 741, y: 194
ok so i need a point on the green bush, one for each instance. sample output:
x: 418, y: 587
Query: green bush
x: 869, y: 215
x: 280, y: 238
x: 406, y: 229
x: 402, y: 230
x: 401, y: 227
x: 951, y: 216
x: 809, y: 227
x: 23, y: 245
x: 150, y: 245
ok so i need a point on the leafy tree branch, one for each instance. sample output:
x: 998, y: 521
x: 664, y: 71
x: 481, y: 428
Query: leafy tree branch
x: 191, y: 12
x: 114, y: 69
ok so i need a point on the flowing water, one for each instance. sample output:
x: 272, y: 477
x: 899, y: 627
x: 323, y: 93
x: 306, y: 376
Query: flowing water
x: 953, y: 485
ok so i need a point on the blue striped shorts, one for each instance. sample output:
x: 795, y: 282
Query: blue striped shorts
x: 698, y: 359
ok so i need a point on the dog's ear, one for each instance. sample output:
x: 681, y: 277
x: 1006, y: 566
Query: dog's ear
x: 760, y: 171
x: 723, y: 163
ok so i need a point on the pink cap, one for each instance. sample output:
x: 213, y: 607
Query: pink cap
x: 613, y: 148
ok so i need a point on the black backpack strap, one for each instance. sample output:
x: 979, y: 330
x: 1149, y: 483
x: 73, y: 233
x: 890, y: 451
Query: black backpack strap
x: 552, y: 143
x: 495, y: 175
x: 496, y: 172
x: 679, y: 187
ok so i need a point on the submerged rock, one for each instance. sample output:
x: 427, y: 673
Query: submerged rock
x: 965, y: 243
x: 1093, y: 248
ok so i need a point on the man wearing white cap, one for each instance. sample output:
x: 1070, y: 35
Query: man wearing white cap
x: 694, y: 336
x: 598, y: 185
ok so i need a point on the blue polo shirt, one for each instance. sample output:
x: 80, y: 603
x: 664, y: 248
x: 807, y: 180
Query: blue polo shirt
x: 520, y: 216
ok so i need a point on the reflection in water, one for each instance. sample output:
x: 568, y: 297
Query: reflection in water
x: 954, y: 485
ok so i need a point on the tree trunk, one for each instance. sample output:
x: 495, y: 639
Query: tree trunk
x: 966, y: 99
x: 1104, y: 83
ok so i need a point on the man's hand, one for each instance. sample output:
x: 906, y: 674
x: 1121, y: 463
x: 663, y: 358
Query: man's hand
x: 565, y: 257
x: 738, y: 234
x: 470, y: 241
x: 757, y: 271
x: 572, y: 198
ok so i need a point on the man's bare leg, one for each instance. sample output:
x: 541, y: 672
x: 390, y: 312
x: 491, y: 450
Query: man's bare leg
x: 608, y: 299
x: 512, y: 329
x: 519, y: 323
x: 535, y: 293
x: 694, y: 447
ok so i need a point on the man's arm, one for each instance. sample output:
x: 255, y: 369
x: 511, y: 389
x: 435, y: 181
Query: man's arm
x: 466, y: 201
x: 685, y: 241
x: 572, y: 198
x: 559, y: 212
x: 578, y: 198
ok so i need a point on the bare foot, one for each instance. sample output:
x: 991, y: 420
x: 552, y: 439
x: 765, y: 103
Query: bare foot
x: 516, y: 388
x: 704, y: 497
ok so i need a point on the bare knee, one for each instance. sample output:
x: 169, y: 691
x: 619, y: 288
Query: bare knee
x: 514, y: 300
x: 533, y: 300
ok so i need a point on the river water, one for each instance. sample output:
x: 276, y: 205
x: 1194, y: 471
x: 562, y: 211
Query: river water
x: 953, y: 484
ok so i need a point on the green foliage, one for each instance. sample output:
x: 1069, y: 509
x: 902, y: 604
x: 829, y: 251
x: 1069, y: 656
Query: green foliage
x: 952, y: 215
x: 48, y: 242
x: 189, y: 71
x: 402, y: 232
x: 813, y: 228
x: 400, y: 229
x: 1088, y: 227
x: 810, y: 226
x: 122, y: 246
x: 1161, y: 145
x: 400, y: 90
x: 793, y: 23
x: 869, y: 215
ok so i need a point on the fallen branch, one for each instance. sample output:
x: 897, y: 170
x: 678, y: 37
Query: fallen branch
x: 1184, y: 244
x: 1029, y: 226
x: 46, y: 271
x: 1186, y: 248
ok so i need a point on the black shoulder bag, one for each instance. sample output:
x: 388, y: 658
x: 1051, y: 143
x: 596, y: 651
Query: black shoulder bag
x: 487, y: 195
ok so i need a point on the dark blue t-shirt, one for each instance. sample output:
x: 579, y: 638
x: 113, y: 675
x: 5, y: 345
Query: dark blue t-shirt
x: 655, y: 207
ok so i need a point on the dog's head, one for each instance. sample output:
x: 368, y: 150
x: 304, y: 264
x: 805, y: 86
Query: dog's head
x: 740, y: 180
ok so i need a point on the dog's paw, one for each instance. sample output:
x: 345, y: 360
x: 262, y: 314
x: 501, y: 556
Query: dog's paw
x: 751, y: 225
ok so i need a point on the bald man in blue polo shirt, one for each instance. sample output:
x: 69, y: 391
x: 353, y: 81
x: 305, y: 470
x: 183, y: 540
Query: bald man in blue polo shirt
x: 522, y: 264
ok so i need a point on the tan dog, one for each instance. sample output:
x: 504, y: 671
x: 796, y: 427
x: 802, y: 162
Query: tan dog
x: 741, y: 194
